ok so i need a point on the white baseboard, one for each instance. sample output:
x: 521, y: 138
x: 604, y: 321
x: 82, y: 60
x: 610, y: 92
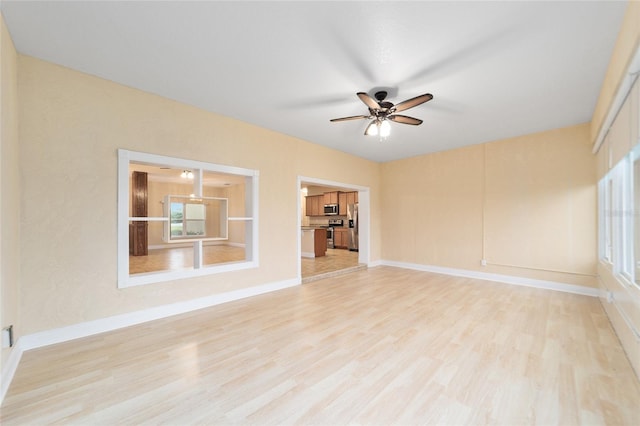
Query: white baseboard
x: 507, y: 279
x: 9, y: 369
x: 89, y: 328
x: 307, y: 254
x: 187, y: 245
x: 374, y: 264
x: 235, y: 244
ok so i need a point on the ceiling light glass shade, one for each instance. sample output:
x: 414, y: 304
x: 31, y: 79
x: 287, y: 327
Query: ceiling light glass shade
x: 372, y: 129
x: 183, y: 175
x: 385, y: 129
x: 186, y: 174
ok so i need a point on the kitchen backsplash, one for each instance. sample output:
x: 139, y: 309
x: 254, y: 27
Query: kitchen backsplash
x: 324, y: 221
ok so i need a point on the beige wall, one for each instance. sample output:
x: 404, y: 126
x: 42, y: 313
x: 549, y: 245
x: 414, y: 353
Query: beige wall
x: 527, y: 205
x: 9, y: 188
x: 70, y: 128
x: 432, y: 209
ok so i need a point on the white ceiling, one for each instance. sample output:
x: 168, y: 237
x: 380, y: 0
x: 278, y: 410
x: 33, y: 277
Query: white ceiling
x: 495, y: 69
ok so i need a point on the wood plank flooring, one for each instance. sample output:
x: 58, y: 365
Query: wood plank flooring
x: 386, y: 346
x: 334, y: 261
x: 182, y: 257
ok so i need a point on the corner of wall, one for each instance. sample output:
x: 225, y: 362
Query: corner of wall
x: 9, y: 198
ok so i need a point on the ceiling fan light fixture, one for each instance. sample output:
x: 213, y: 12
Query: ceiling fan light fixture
x: 372, y: 129
x: 382, y: 112
x: 385, y: 129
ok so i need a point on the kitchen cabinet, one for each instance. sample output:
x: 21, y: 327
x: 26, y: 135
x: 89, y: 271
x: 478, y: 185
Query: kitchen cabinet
x: 320, y: 242
x: 331, y: 197
x: 340, y: 238
x: 352, y: 197
x: 342, y: 203
x: 315, y: 205
x: 313, y: 242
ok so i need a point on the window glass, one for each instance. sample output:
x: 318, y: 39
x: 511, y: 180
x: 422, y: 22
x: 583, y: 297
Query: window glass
x: 177, y: 219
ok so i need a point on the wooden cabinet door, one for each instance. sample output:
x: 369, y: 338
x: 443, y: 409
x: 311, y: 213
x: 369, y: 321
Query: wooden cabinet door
x: 320, y: 205
x: 351, y: 197
x: 315, y: 206
x: 320, y: 240
x: 342, y: 203
x: 340, y: 242
x: 309, y: 205
x: 331, y: 197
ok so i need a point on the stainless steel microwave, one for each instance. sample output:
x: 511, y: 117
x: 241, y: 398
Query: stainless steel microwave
x: 331, y: 209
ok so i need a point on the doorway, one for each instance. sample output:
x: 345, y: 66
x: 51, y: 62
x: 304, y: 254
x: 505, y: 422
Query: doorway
x: 337, y: 259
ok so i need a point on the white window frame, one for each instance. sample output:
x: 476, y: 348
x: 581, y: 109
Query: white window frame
x: 633, y: 208
x: 170, y: 199
x: 606, y: 219
x: 624, y: 228
x: 125, y: 157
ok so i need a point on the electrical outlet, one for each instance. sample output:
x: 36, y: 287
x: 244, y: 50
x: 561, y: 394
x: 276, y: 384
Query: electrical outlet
x: 7, y: 337
x: 483, y: 262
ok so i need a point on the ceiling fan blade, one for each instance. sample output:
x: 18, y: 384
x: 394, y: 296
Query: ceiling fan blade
x: 404, y: 119
x: 353, y: 117
x: 410, y: 103
x: 368, y: 100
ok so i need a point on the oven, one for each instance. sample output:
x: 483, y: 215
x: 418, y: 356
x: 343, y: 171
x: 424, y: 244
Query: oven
x: 330, y: 237
x: 330, y: 231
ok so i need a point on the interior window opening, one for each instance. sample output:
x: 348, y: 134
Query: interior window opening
x: 184, y: 218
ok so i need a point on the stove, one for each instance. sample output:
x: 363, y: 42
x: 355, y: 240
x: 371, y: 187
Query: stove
x: 332, y: 223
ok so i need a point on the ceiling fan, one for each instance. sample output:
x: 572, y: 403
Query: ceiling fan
x: 381, y: 112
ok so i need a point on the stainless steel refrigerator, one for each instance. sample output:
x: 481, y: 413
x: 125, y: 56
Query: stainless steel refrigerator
x: 352, y: 221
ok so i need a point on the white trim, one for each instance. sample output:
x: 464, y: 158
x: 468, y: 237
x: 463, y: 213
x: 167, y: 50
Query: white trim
x: 190, y: 244
x: 624, y: 87
x: 9, y: 368
x: 90, y: 328
x: 507, y: 279
x: 243, y: 245
x: 374, y: 264
x: 308, y: 254
x: 178, y: 274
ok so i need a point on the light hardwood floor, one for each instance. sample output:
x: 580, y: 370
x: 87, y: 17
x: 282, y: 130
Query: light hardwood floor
x: 182, y: 257
x: 334, y: 262
x: 386, y: 346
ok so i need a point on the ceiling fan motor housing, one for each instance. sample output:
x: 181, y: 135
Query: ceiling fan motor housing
x: 381, y: 95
